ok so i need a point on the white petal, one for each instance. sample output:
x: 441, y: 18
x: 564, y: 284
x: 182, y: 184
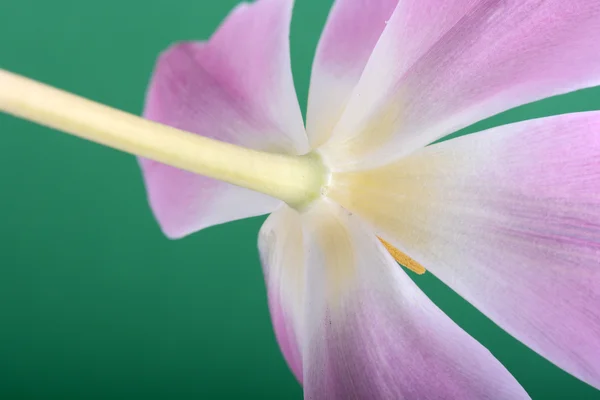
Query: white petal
x: 442, y: 65
x: 510, y: 219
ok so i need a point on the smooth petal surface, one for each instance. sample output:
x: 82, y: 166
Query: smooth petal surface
x: 371, y: 333
x: 341, y: 304
x: 441, y: 66
x: 351, y: 32
x: 237, y: 88
x: 510, y: 219
x: 282, y: 255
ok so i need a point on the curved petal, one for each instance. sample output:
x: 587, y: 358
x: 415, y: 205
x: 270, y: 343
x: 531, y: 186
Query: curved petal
x: 282, y: 257
x: 351, y: 32
x: 370, y: 333
x: 510, y: 219
x: 237, y: 88
x: 441, y: 66
x: 353, y: 285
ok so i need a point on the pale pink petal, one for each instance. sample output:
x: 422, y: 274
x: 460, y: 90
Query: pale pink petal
x: 351, y: 32
x: 442, y: 65
x: 510, y: 219
x: 282, y: 257
x: 370, y: 333
x: 238, y: 88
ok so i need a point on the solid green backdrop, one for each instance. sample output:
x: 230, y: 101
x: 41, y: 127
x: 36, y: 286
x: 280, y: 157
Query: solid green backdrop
x: 94, y: 301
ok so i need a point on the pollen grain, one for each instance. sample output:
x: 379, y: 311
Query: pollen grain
x: 403, y: 259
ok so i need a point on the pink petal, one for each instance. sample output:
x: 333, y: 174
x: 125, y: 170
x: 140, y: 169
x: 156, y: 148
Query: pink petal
x: 372, y: 334
x: 237, y: 88
x: 351, y: 32
x: 351, y: 324
x: 440, y: 66
x: 510, y: 219
x: 280, y: 245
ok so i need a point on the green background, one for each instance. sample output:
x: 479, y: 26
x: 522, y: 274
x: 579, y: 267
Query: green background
x: 94, y: 301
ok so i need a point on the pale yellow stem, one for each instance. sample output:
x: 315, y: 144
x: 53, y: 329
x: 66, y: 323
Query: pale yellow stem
x: 293, y: 179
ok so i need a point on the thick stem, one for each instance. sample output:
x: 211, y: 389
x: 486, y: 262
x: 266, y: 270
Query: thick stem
x: 293, y: 179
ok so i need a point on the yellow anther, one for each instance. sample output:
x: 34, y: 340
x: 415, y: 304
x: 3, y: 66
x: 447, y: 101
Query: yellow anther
x: 403, y: 259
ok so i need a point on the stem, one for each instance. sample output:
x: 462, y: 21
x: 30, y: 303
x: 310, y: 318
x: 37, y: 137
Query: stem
x: 293, y: 179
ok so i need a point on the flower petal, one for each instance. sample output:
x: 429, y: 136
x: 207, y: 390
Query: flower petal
x: 371, y: 333
x: 282, y: 257
x: 237, y: 88
x: 351, y: 32
x: 510, y: 219
x: 440, y: 67
x: 414, y: 351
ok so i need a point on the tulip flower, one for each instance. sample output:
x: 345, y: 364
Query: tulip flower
x: 508, y: 217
